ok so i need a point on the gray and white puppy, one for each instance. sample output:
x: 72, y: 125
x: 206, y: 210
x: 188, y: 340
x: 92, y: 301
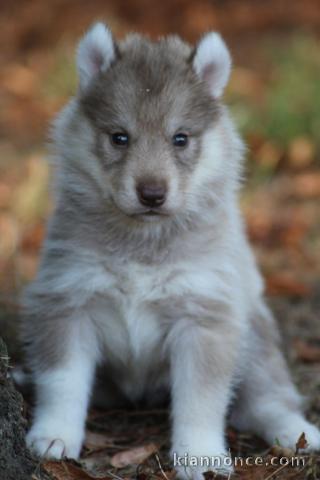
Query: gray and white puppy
x: 146, y: 269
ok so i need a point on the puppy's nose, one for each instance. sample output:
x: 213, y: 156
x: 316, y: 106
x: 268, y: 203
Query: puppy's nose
x: 151, y: 194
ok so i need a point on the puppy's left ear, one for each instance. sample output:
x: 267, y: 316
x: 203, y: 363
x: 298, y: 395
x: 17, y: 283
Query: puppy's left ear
x: 96, y: 52
x: 212, y: 62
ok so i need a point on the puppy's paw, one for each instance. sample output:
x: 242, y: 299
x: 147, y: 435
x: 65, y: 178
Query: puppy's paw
x: 54, y: 440
x: 289, y: 434
x: 192, y: 466
x: 197, y: 472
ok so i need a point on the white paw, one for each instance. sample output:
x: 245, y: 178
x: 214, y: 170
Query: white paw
x: 289, y: 434
x: 196, y: 472
x: 52, y: 439
x: 192, y: 466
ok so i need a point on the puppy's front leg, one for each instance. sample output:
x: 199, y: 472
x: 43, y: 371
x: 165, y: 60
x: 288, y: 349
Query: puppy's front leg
x: 202, y: 363
x: 63, y: 392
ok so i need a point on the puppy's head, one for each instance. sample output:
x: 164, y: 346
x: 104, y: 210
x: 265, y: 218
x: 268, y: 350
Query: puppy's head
x: 147, y: 124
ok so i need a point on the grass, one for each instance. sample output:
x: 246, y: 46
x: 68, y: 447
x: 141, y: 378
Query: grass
x: 60, y: 81
x: 284, y: 103
x: 293, y: 101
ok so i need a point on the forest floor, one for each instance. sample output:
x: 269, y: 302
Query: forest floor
x: 134, y: 444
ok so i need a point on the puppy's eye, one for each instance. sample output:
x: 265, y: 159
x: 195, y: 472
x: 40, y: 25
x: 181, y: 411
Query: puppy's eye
x: 180, y: 140
x: 120, y: 139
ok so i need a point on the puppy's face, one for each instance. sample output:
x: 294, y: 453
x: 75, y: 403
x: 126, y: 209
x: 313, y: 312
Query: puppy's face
x: 152, y: 109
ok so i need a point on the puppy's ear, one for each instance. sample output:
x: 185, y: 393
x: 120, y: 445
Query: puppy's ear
x: 96, y: 51
x: 212, y: 62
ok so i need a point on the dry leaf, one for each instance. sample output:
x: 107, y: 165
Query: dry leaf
x: 19, y: 80
x: 96, y: 464
x: 301, y: 152
x: 307, y: 352
x: 302, y: 442
x: 283, y: 284
x: 96, y: 441
x: 269, y: 155
x: 306, y: 185
x: 133, y: 456
x: 68, y: 471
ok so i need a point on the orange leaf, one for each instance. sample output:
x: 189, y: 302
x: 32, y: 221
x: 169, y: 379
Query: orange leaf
x: 282, y: 284
x: 302, y: 442
x: 68, y: 471
x: 307, y: 352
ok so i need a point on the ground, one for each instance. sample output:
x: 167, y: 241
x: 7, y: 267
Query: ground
x: 134, y: 444
x: 16, y: 462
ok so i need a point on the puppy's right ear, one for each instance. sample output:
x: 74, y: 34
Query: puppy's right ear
x: 96, y: 51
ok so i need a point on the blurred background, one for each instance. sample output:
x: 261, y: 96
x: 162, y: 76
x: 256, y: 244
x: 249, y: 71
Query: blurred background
x: 274, y: 94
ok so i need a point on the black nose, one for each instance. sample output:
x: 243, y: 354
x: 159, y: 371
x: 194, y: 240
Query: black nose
x: 151, y: 194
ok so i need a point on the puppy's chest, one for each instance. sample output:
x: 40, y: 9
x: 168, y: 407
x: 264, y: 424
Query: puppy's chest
x: 142, y: 302
x: 133, y: 328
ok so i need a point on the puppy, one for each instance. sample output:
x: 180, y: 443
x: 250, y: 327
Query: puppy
x: 146, y: 270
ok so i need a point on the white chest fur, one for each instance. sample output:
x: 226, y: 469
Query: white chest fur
x: 132, y: 326
x: 133, y: 306
x: 131, y: 332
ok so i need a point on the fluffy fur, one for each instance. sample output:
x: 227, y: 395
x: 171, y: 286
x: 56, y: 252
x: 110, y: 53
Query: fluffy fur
x: 165, y: 301
x: 95, y: 54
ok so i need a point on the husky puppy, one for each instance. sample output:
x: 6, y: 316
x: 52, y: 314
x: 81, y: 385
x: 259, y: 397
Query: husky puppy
x: 146, y: 270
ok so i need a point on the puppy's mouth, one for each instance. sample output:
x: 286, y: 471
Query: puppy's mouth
x: 151, y: 214
x: 143, y: 213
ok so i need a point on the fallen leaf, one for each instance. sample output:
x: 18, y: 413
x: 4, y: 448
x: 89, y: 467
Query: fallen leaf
x: 133, y: 456
x: 301, y: 152
x: 306, y: 352
x: 19, y: 80
x: 302, y: 442
x: 95, y: 441
x: 306, y: 185
x: 68, y: 471
x: 96, y: 465
x: 32, y: 238
x: 269, y: 155
x: 283, y: 284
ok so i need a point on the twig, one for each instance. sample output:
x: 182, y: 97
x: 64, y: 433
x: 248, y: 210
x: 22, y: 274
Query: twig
x: 160, y: 466
x: 275, y: 473
x: 115, y: 476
